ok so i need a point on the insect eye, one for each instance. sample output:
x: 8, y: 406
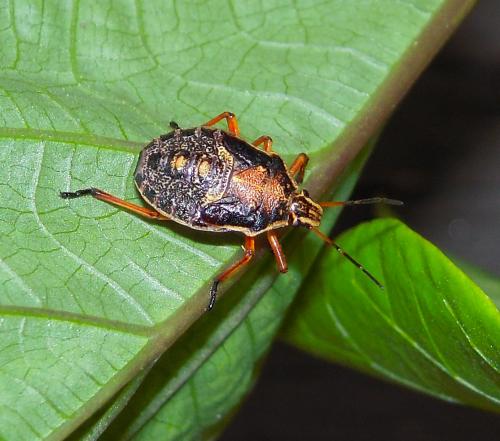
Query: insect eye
x: 306, y: 193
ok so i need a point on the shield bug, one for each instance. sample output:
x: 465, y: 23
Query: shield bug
x: 209, y: 179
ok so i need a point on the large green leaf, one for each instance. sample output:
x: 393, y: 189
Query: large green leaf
x: 431, y: 328
x: 90, y: 294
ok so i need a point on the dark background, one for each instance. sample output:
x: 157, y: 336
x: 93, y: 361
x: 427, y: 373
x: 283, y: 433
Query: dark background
x: 440, y: 153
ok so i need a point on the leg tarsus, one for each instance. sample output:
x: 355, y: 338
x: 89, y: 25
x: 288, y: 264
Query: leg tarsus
x: 213, y: 294
x: 232, y: 122
x: 77, y: 194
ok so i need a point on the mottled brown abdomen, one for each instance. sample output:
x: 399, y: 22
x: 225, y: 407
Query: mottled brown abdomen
x: 211, y: 180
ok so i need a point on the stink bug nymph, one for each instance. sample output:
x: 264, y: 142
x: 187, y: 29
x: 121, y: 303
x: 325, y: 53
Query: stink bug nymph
x: 210, y: 179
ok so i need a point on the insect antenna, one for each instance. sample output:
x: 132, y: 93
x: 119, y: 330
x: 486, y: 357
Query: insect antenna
x: 351, y: 259
x: 362, y: 202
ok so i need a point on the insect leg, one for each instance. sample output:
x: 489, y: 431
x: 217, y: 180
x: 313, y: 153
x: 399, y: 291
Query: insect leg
x: 298, y: 167
x: 266, y: 140
x: 278, y: 252
x: 113, y: 200
x: 249, y: 253
x: 232, y: 122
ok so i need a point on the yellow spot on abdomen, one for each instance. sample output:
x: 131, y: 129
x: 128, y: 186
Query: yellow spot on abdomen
x: 204, y: 168
x: 178, y: 162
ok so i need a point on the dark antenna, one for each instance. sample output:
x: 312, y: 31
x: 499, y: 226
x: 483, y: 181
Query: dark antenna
x: 362, y: 202
x: 347, y: 256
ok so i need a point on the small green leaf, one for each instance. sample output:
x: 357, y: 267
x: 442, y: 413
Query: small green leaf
x: 431, y: 328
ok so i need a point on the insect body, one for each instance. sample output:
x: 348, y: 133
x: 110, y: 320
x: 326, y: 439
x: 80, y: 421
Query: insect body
x: 213, y: 180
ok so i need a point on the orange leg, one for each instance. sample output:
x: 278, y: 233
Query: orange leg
x: 266, y: 140
x: 249, y: 253
x: 113, y: 200
x: 278, y: 252
x: 232, y: 122
x: 298, y: 167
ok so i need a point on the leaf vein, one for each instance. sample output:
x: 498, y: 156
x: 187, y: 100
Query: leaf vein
x: 476, y: 349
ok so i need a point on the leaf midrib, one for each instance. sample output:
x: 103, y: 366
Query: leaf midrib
x: 73, y: 138
x: 80, y: 319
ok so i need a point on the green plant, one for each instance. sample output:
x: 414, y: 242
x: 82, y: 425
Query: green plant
x: 92, y: 296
